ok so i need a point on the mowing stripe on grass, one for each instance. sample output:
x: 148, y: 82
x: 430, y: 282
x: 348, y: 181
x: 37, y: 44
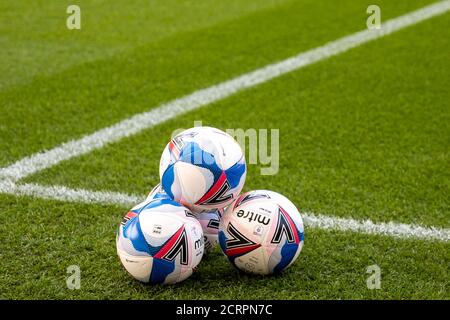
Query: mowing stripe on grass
x: 172, y: 109
x: 392, y: 229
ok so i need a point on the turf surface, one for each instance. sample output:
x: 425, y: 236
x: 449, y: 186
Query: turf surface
x: 110, y: 89
x: 332, y: 264
x: 364, y: 135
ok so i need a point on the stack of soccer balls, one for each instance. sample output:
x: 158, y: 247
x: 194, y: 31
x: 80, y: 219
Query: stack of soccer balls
x: 197, y: 205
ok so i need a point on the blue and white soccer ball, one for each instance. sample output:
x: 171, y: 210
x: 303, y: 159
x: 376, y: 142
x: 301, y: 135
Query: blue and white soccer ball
x: 262, y: 232
x: 160, y: 241
x: 203, y: 168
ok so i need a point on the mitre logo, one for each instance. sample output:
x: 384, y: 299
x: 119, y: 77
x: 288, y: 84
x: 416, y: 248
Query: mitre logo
x: 252, y: 216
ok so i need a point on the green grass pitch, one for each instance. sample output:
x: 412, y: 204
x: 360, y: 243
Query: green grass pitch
x: 364, y: 135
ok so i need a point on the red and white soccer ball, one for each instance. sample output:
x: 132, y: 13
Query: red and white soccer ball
x: 203, y: 168
x: 262, y: 232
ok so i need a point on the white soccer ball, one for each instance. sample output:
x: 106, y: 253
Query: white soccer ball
x: 203, y: 168
x: 160, y: 241
x: 262, y: 232
x: 210, y: 225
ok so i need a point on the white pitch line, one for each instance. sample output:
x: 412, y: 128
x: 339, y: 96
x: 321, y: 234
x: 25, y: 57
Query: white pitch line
x: 392, y: 229
x: 62, y: 193
x: 135, y: 124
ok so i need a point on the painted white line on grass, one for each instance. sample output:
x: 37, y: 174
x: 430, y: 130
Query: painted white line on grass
x: 172, y: 109
x: 392, y: 229
x: 66, y: 194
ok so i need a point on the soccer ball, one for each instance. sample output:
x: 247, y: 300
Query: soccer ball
x: 160, y: 241
x: 203, y: 168
x: 262, y: 232
x: 210, y: 225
